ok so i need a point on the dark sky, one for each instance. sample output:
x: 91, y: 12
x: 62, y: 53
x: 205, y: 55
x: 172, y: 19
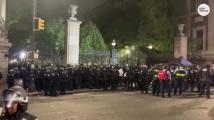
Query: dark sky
x: 52, y: 8
x: 62, y: 5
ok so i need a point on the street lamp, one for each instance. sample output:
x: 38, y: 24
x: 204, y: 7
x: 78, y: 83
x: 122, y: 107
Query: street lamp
x: 22, y: 55
x: 127, y: 57
x: 114, y: 53
x: 150, y: 47
x: 113, y: 43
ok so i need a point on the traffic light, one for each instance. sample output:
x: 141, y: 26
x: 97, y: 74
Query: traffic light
x: 41, y: 24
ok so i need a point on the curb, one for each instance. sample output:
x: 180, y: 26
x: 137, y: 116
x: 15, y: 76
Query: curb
x: 32, y: 94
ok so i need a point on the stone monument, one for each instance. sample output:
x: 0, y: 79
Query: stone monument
x: 180, y: 43
x: 4, y: 44
x: 72, y: 37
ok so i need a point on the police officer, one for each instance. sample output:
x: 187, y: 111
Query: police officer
x: 54, y: 77
x: 10, y: 78
x: 144, y: 80
x: 155, y: 82
x: 105, y: 78
x: 169, y: 81
x: 191, y: 79
x: 31, y: 79
x: 205, y: 81
x: 15, y: 101
x: 39, y: 78
x: 70, y: 77
x: 180, y: 74
x: 63, y: 80
x: 196, y: 77
x: 23, y: 75
x: 46, y: 81
x: 130, y: 77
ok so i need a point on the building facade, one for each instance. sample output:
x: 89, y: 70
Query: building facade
x: 200, y: 31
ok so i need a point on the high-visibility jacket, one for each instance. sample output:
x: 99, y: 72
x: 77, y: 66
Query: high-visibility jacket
x: 156, y: 73
x: 180, y: 73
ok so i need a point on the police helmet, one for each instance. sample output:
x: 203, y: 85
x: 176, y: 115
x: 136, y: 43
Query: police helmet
x: 181, y: 67
x: 17, y: 95
x: 18, y: 82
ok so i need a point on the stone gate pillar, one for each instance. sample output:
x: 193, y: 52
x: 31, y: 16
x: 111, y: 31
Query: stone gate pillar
x: 180, y: 43
x: 72, y: 38
x: 4, y: 44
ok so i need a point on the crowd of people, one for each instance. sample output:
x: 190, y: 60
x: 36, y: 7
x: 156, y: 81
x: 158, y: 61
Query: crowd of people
x: 161, y: 80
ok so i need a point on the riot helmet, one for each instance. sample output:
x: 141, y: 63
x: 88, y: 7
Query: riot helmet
x: 15, y: 95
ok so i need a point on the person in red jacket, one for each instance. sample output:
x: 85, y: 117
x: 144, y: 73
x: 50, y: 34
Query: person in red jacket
x: 162, y: 76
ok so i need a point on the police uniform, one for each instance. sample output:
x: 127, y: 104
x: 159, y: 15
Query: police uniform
x: 10, y: 78
x: 46, y: 82
x: 180, y: 76
x: 191, y: 79
x: 63, y: 81
x: 144, y: 81
x: 205, y: 81
x: 155, y: 83
x: 54, y: 83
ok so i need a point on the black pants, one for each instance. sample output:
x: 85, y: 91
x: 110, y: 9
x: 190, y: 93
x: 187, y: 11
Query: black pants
x: 62, y: 87
x: 156, y: 87
x: 165, y: 86
x: 178, y: 85
x: 205, y: 85
x: 46, y: 86
x: 192, y: 83
x: 144, y: 86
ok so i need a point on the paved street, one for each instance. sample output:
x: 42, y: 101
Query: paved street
x: 122, y: 106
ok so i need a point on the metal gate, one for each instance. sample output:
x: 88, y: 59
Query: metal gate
x: 99, y: 57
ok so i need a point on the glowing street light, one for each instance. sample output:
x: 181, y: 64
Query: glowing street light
x: 114, y: 52
x: 127, y: 57
x: 23, y: 55
x: 128, y: 52
x: 113, y: 43
x: 150, y: 47
x: 149, y: 59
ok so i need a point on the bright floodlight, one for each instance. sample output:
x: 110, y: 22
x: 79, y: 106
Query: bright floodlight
x: 150, y: 47
x: 22, y: 55
x: 113, y: 43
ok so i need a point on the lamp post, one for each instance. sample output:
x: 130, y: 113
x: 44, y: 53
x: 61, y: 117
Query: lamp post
x: 150, y: 47
x: 113, y: 43
x: 127, y: 56
x: 114, y: 52
x: 22, y: 55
